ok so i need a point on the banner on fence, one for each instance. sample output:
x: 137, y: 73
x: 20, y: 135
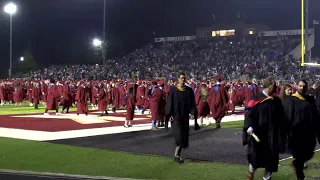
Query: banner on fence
x: 293, y: 32
x: 172, y: 39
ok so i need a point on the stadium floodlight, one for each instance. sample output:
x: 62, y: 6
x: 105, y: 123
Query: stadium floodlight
x: 10, y: 8
x: 22, y: 59
x: 97, y: 42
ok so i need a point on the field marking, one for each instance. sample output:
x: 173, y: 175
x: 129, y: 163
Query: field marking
x: 48, y: 136
x: 57, y: 175
x: 292, y: 156
x: 82, y: 119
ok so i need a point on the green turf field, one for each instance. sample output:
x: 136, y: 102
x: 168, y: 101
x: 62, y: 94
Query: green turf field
x: 24, y: 109
x: 46, y: 157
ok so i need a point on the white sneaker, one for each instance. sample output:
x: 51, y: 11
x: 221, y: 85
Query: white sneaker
x: 58, y: 113
x: 46, y: 114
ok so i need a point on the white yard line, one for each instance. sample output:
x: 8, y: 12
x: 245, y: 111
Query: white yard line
x: 292, y: 157
x: 57, y: 175
x: 47, y: 136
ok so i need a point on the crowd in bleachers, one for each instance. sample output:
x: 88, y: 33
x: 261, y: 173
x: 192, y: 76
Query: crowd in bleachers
x: 234, y: 58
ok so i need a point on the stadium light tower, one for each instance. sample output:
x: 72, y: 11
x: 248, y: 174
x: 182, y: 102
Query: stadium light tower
x: 96, y: 42
x: 104, y: 33
x: 11, y: 9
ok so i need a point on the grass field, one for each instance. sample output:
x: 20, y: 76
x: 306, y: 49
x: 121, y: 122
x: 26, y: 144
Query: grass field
x: 24, y: 109
x: 46, y: 157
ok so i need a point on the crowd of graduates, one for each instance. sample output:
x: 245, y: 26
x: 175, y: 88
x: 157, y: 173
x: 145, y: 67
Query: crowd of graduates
x: 215, y: 96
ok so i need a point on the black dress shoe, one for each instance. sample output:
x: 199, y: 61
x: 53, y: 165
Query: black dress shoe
x: 178, y: 160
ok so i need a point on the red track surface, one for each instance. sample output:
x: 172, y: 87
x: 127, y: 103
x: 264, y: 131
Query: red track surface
x: 55, y: 125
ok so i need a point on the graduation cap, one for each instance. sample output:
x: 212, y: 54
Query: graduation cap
x: 130, y: 86
x: 218, y: 77
x: 162, y: 82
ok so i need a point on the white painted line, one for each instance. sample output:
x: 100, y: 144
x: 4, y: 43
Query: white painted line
x: 58, y: 175
x: 48, y: 136
x: 292, y: 157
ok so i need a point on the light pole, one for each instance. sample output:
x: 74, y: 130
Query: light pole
x: 10, y: 8
x: 104, y: 33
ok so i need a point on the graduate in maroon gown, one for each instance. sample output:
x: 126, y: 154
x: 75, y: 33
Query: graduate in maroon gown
x: 36, y: 94
x: 155, y: 96
x: 102, y: 99
x: 218, y: 101
x: 109, y: 95
x: 140, y: 97
x: 115, y: 97
x: 232, y: 98
x: 130, y: 105
x: 2, y: 93
x: 122, y: 95
x: 29, y: 87
x: 18, y: 94
x: 146, y: 98
x: 94, y: 95
x: 44, y: 90
x: 82, y: 98
x: 201, y: 99
x: 239, y: 90
x: 67, y: 97
x: 161, y: 122
x: 250, y: 91
x: 9, y: 92
x: 52, y: 98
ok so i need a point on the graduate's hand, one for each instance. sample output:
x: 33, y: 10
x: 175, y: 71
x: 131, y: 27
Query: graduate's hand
x: 250, y: 131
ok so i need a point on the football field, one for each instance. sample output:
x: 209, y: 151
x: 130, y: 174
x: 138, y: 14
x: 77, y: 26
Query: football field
x: 100, y: 148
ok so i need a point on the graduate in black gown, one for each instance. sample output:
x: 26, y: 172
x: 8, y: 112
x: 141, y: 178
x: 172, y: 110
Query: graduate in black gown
x: 304, y: 122
x: 180, y: 104
x: 312, y: 90
x: 264, y: 117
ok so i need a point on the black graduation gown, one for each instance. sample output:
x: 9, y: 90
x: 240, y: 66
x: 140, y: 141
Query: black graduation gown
x: 303, y: 120
x: 311, y: 92
x: 317, y: 94
x: 266, y: 117
x: 179, y: 105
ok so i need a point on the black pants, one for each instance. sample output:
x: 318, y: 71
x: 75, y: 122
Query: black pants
x: 57, y: 110
x: 299, y: 165
x: 180, y: 132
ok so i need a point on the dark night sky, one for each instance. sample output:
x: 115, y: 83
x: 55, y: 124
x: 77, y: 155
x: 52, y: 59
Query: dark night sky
x: 49, y: 24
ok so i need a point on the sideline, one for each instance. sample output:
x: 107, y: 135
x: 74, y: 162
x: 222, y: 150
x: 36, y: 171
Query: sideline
x: 292, y: 157
x: 56, y: 175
